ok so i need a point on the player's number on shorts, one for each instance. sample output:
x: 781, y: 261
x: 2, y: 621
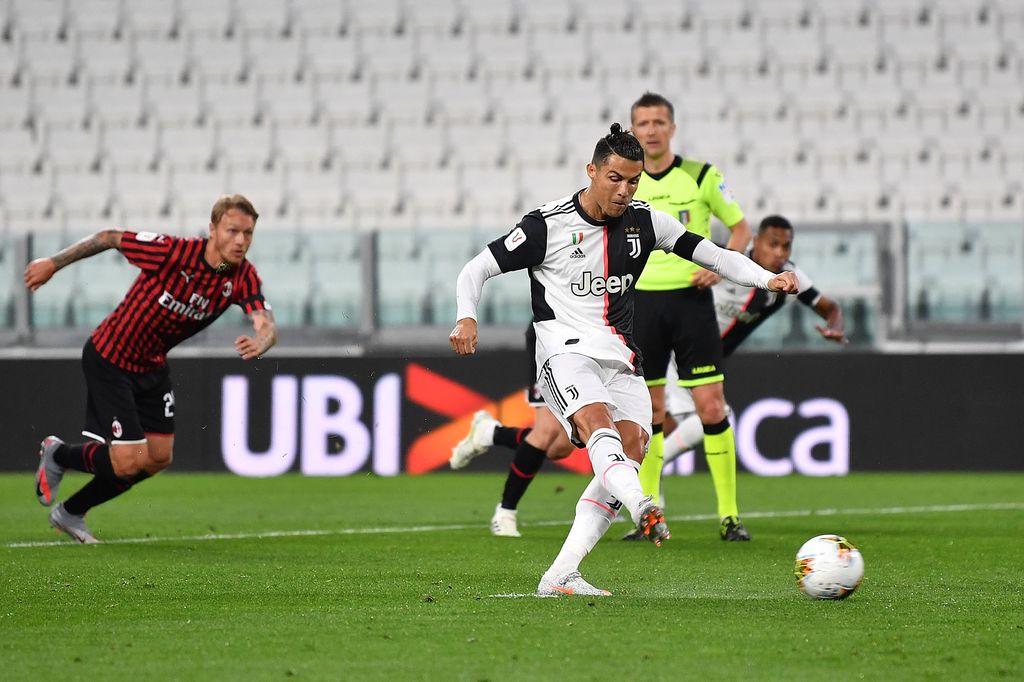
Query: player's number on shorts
x: 169, y: 404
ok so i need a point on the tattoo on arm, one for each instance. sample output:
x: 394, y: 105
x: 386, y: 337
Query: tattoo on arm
x: 90, y: 246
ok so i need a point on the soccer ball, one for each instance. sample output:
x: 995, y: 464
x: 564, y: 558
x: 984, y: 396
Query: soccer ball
x: 828, y: 567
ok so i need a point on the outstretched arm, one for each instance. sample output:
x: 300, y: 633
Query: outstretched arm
x: 262, y: 340
x: 739, y: 239
x: 832, y: 313
x: 468, y: 290
x: 733, y: 266
x: 41, y: 270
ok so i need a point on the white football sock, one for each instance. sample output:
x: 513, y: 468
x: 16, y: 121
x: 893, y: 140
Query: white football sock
x: 688, y: 434
x: 616, y: 472
x: 595, y: 512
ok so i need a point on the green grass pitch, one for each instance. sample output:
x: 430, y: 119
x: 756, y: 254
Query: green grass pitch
x: 218, y: 577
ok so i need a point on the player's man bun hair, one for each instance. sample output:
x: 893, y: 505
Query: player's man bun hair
x: 619, y: 142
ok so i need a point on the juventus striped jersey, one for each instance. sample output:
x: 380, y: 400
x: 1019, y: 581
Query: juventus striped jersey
x: 582, y: 273
x: 741, y: 310
x: 177, y: 295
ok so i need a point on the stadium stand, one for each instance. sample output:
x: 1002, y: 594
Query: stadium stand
x: 413, y: 116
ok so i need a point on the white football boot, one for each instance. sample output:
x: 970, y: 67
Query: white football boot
x: 476, y: 442
x: 569, y: 584
x: 503, y: 523
x: 72, y: 525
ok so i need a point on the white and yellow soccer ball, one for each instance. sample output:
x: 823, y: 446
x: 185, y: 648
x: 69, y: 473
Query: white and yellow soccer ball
x: 828, y: 567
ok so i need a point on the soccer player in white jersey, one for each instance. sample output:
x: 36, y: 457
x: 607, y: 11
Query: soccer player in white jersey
x: 741, y: 310
x: 584, y: 252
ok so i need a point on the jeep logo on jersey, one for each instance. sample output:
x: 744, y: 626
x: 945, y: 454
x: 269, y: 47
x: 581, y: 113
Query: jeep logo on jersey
x: 599, y: 286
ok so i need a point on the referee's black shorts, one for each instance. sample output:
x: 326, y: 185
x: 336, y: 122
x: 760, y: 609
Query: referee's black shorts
x: 681, y: 321
x: 122, y: 406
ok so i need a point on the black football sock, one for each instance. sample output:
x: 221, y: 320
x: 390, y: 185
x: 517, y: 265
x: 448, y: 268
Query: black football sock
x: 525, y: 465
x: 90, y: 457
x: 100, y: 490
x: 509, y: 436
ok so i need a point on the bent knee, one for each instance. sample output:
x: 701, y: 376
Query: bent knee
x: 560, y: 449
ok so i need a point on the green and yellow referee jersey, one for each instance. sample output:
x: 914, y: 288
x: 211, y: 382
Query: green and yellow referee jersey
x: 690, y: 191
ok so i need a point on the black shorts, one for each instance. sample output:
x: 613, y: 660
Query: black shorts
x: 533, y: 396
x: 681, y: 321
x: 121, y: 406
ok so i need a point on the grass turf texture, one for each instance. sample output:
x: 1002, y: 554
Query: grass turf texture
x: 942, y: 597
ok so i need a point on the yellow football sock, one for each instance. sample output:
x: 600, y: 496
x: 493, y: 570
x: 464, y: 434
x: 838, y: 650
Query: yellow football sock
x: 720, y: 451
x: 650, y: 469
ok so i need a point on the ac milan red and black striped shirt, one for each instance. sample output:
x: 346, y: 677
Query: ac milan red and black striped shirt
x: 177, y: 295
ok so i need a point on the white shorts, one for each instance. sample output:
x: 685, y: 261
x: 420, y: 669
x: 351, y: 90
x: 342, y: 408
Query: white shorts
x: 570, y: 381
x: 678, y: 399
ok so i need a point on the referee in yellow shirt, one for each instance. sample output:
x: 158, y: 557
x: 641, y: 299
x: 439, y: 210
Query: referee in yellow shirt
x: 674, y: 308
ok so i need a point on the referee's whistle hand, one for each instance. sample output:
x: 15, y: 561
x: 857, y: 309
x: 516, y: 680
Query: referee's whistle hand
x: 463, y: 337
x: 785, y: 283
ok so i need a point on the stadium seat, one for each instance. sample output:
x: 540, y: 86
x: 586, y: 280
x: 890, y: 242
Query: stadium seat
x: 150, y: 18
x: 130, y: 149
x: 478, y: 145
x: 249, y: 147
x: 15, y: 106
x: 385, y: 56
x: 83, y: 194
x: 205, y: 17
x: 538, y: 185
x: 287, y: 102
x: 488, y: 17
x: 103, y: 60
x: 420, y: 147
x: 537, y: 144
x: 492, y: 194
x: 507, y: 54
x: 72, y: 149
x: 435, y: 194
x: 402, y: 296
x: 315, y: 194
x: 521, y: 100
x: 403, y: 101
x: 379, y: 191
x: 141, y: 195
x: 214, y: 58
x: 49, y: 61
x: 288, y: 287
x: 45, y: 19
x: 22, y: 153
x: 366, y: 146
x: 265, y: 20
x: 586, y: 100
x: 299, y: 146
x: 274, y: 58
x: 265, y: 189
x: 380, y: 18
x: 560, y: 54
x: 437, y: 16
x: 332, y: 57
x: 464, y: 101
x: 337, y: 292
x: 59, y: 105
x: 446, y: 55
x: 231, y: 104
x: 344, y: 102
x: 160, y: 58
x: 26, y: 197
x: 188, y: 148
x: 193, y: 193
x: 172, y: 103
x: 557, y: 16
x: 115, y: 104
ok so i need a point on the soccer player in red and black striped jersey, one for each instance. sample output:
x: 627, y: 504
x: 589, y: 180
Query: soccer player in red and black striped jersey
x: 184, y: 285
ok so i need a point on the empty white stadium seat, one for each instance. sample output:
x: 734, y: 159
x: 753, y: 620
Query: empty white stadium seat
x: 116, y: 104
x: 249, y: 147
x: 104, y: 60
x: 172, y: 103
x: 299, y: 146
x: 192, y: 148
x: 22, y: 152
x: 72, y: 149
x: 141, y: 195
x: 315, y: 195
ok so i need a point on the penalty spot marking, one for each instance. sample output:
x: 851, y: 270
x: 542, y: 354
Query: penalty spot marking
x: 779, y: 514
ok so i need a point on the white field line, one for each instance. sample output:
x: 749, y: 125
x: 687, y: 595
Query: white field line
x: 855, y: 511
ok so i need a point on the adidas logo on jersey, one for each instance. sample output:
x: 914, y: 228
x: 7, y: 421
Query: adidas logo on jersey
x: 578, y: 253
